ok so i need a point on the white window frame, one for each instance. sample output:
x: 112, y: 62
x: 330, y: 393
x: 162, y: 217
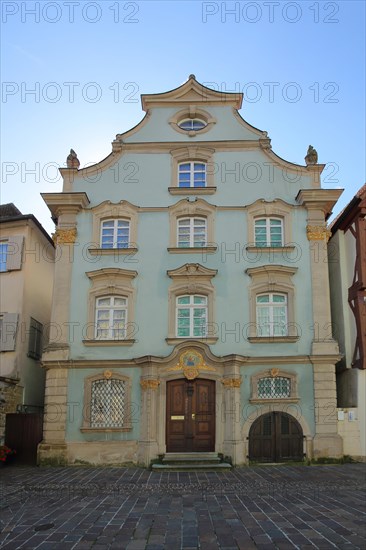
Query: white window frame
x: 111, y: 309
x: 271, y: 305
x: 191, y: 306
x: 115, y: 232
x: 191, y: 173
x: 3, y: 255
x: 268, y: 220
x: 192, y: 121
x: 192, y: 226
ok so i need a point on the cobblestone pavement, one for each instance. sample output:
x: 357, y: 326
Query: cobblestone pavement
x: 262, y: 507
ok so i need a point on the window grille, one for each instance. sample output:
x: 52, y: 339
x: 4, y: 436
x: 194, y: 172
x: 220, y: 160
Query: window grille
x: 107, y: 403
x: 272, y: 388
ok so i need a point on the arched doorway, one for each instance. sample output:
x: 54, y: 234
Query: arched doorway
x: 275, y: 437
x: 190, y: 415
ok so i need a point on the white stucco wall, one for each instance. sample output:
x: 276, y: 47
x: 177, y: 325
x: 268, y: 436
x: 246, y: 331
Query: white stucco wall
x: 27, y: 292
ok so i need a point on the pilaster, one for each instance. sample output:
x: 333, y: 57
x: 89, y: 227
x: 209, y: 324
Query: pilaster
x: 53, y: 450
x: 148, y: 442
x: 64, y: 208
x: 233, y: 445
x: 319, y: 204
x: 326, y: 442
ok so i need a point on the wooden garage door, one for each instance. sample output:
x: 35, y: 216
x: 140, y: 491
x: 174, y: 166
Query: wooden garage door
x: 275, y: 437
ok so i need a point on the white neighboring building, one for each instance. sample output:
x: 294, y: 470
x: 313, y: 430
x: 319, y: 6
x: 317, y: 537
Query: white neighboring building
x: 27, y: 256
x: 347, y: 271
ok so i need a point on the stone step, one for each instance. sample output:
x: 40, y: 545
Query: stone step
x: 201, y: 458
x: 191, y: 461
x: 181, y: 462
x: 193, y: 455
x: 175, y: 467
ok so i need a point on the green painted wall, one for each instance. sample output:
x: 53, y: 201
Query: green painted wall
x: 241, y: 178
x: 76, y: 406
x: 152, y: 283
x: 305, y: 406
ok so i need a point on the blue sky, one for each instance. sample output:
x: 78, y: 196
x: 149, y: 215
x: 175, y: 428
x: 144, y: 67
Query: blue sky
x: 299, y: 64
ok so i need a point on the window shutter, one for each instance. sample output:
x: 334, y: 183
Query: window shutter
x: 14, y: 255
x: 9, y: 331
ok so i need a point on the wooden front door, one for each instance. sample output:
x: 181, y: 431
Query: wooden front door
x: 190, y: 421
x: 275, y: 437
x: 23, y: 432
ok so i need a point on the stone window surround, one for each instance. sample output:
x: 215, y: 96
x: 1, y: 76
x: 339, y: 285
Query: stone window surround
x: 293, y: 398
x: 192, y: 112
x: 111, y: 282
x: 190, y: 279
x: 112, y: 211
x: 189, y: 209
x: 193, y: 153
x: 275, y: 209
x: 272, y: 278
x: 127, y: 426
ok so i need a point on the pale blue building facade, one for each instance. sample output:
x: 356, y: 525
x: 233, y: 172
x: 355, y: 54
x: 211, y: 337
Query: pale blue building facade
x: 191, y: 301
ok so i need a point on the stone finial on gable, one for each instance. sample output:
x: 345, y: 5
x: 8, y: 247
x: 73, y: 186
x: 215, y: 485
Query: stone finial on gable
x: 311, y: 156
x: 72, y: 160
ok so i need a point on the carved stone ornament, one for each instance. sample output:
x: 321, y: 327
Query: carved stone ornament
x: 72, y: 160
x: 318, y: 233
x: 231, y: 382
x: 275, y: 372
x: 191, y: 363
x: 107, y: 374
x: 311, y: 156
x: 191, y: 373
x: 64, y: 236
x: 149, y: 384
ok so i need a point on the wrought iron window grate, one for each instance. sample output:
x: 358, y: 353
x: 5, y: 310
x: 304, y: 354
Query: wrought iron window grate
x: 107, y: 403
x: 272, y: 388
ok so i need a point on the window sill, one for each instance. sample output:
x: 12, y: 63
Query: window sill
x: 110, y: 251
x: 272, y: 339
x: 108, y: 342
x: 192, y: 190
x: 270, y: 248
x: 106, y: 430
x: 263, y: 400
x: 192, y: 249
x: 34, y: 357
x: 190, y: 133
x: 174, y: 340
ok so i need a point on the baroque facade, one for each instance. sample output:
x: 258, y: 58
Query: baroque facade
x: 191, y: 295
